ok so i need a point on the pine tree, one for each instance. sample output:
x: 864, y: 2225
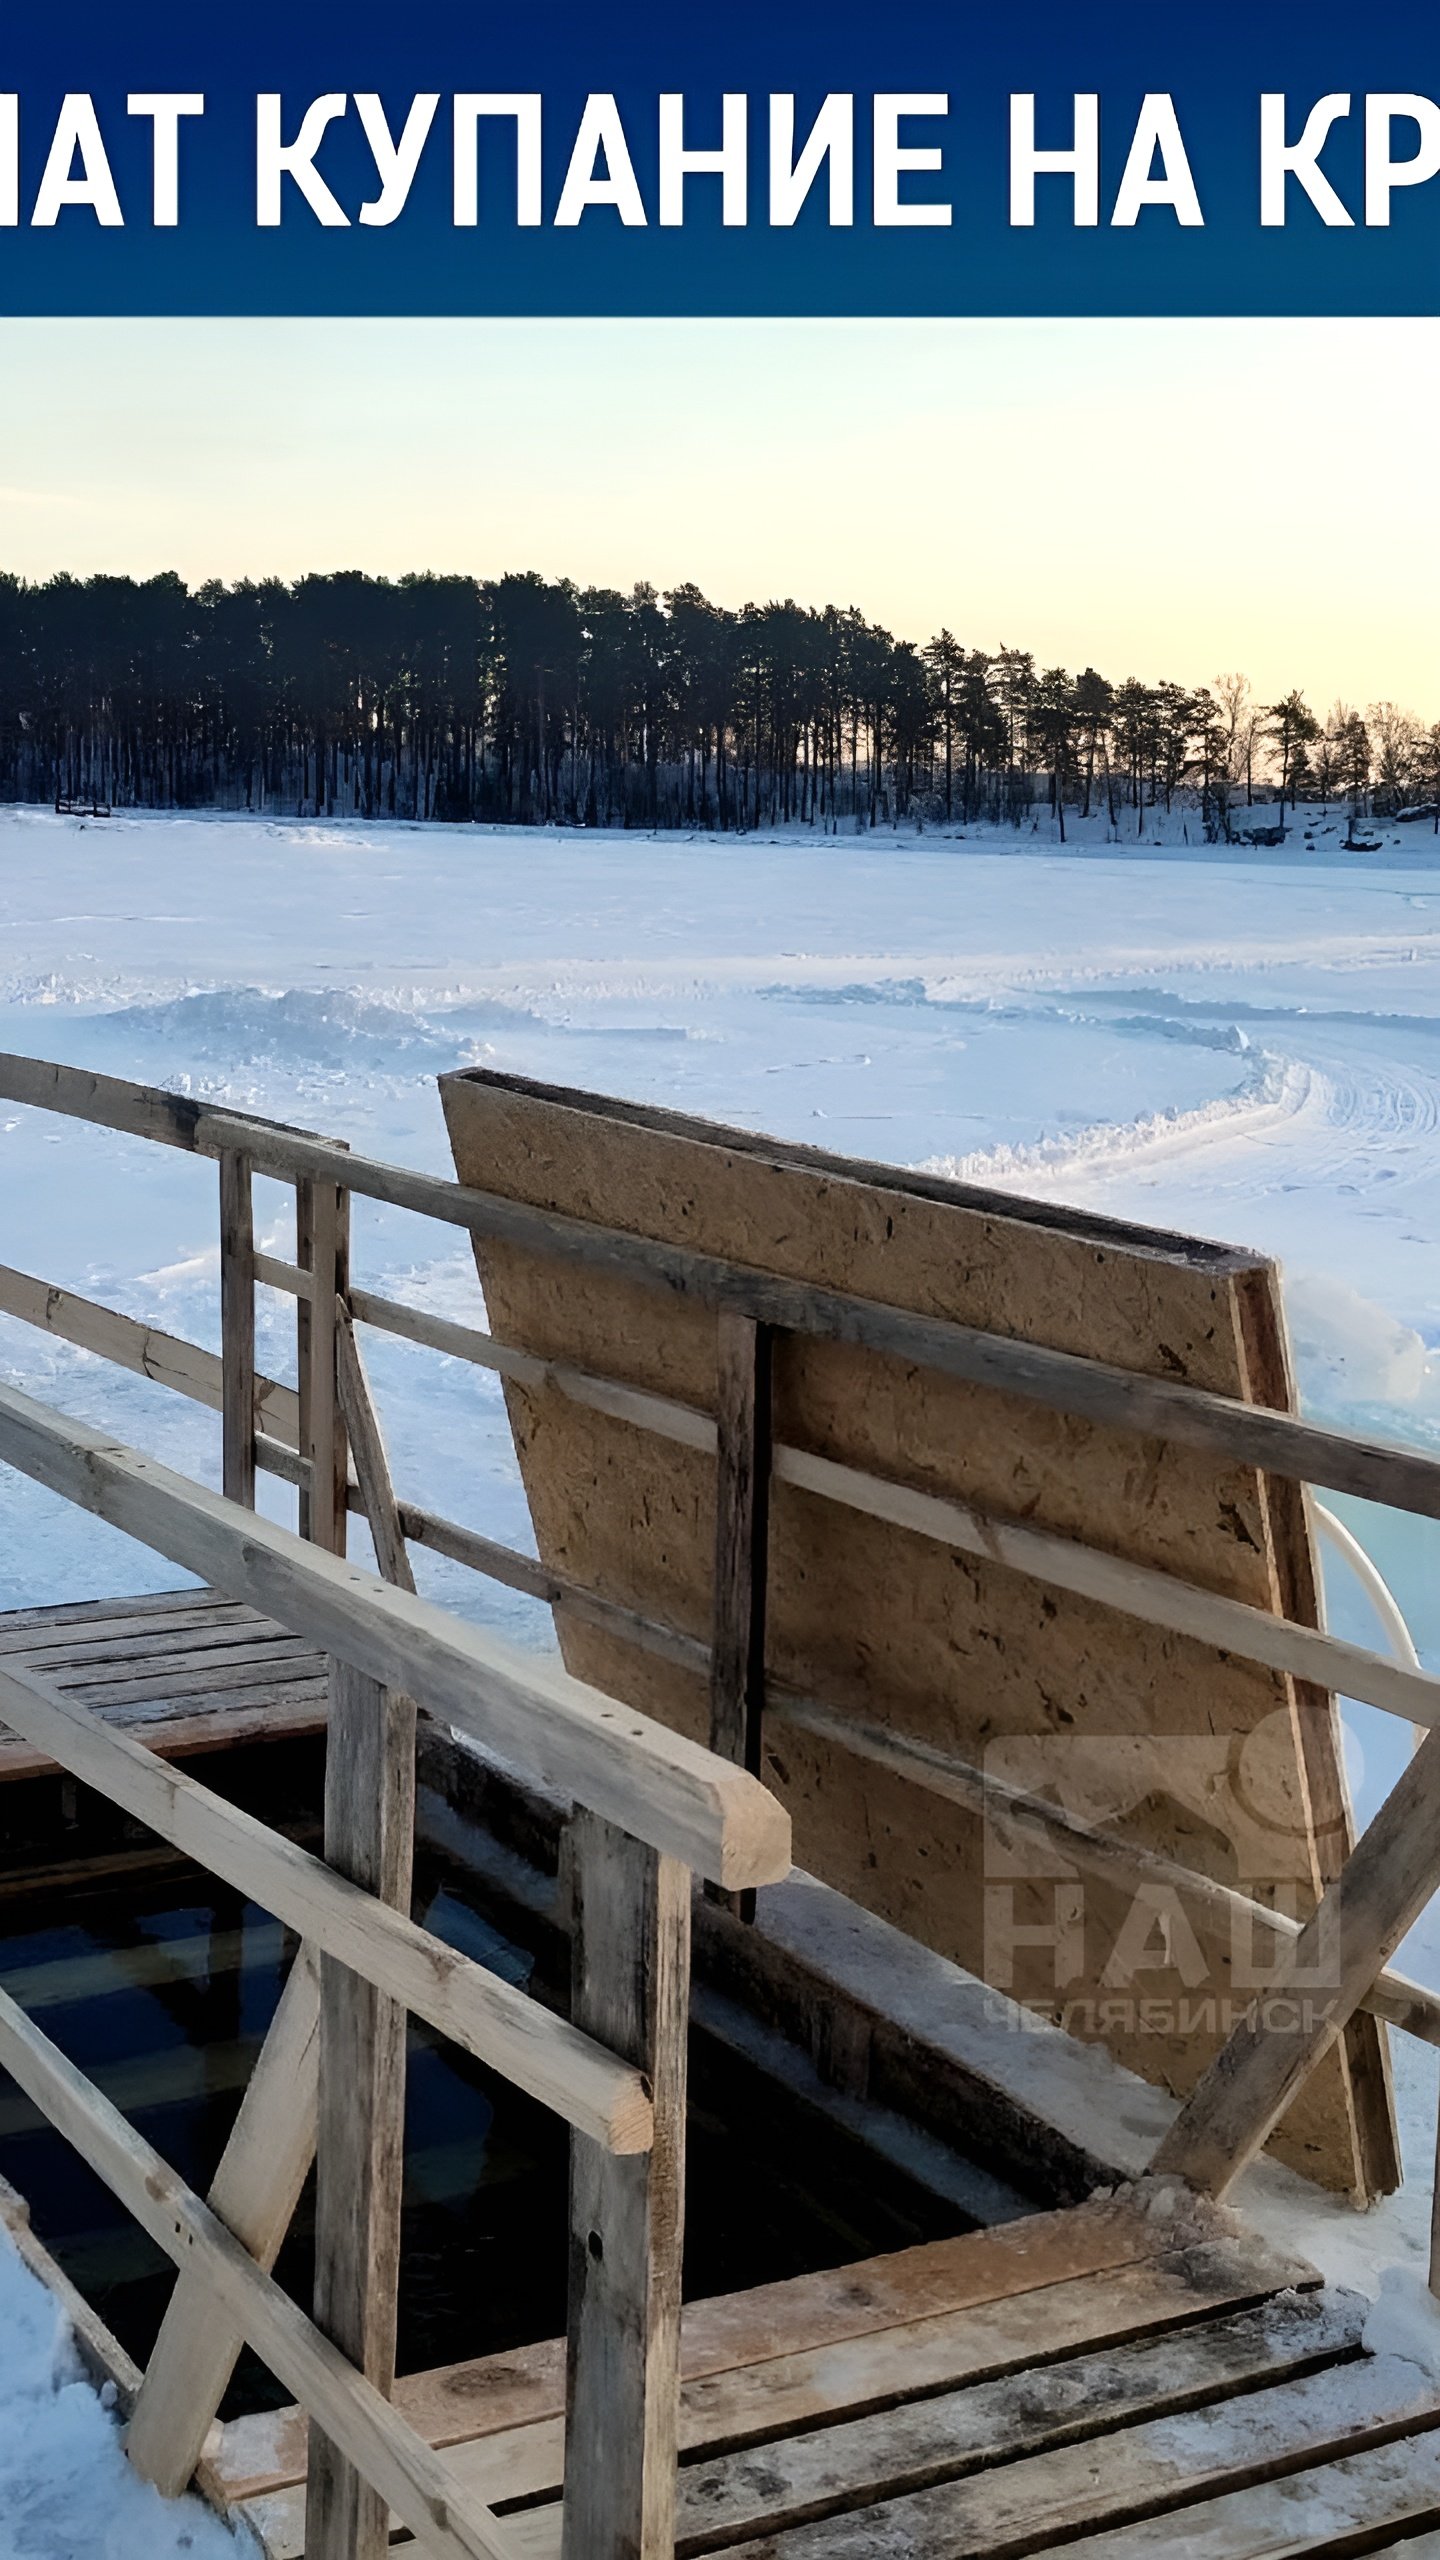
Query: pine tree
x: 1290, y: 725
x: 1054, y: 719
x: 945, y: 659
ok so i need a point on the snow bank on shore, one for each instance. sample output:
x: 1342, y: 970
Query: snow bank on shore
x: 66, y: 2490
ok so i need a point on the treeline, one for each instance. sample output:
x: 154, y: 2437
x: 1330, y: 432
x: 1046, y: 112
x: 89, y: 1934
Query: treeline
x: 531, y: 700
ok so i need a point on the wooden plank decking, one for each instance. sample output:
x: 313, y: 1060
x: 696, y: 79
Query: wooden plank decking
x: 196, y: 1671
x: 1106, y: 2378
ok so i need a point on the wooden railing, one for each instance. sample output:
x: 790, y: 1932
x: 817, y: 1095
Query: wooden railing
x: 655, y: 1810
x: 652, y: 1812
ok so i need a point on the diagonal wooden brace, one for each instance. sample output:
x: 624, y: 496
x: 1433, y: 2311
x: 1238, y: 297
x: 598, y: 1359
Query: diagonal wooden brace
x: 256, y: 2189
x: 1349, y: 1938
x: 367, y: 1447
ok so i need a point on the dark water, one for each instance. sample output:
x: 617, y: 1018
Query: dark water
x: 161, y: 1985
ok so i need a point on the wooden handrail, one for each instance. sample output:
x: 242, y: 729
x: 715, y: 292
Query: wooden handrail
x: 1067, y: 1382
x: 144, y: 1349
x: 491, y: 2018
x: 1139, y: 1591
x: 652, y: 1783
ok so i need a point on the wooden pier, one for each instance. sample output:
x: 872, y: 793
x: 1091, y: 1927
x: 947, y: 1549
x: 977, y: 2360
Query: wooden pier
x: 1131, y: 2375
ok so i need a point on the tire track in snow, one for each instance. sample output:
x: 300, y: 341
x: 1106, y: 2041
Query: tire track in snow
x: 1281, y: 1092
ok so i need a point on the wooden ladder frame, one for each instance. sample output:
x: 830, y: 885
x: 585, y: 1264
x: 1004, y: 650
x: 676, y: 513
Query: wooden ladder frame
x: 656, y: 1811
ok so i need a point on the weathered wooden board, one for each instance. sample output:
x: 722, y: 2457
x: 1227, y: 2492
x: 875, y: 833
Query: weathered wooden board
x: 491, y: 2394
x: 793, y: 2361
x: 833, y: 2470
x: 1216, y: 1762
x: 630, y: 1984
x: 1365, y: 1914
x: 1333, y: 2507
x: 976, y: 2376
x: 840, y: 2471
x: 195, y: 1672
x: 360, y: 2104
x: 150, y: 1615
x: 1172, y: 2461
x: 255, y: 2191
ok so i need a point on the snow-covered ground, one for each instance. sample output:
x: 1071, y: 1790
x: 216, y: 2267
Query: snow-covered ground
x: 66, y: 2490
x: 1244, y: 1044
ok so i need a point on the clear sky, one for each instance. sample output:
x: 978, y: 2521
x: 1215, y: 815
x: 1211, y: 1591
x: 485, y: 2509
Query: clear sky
x: 1159, y: 497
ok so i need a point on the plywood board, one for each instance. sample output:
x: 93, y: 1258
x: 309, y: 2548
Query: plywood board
x: 1220, y: 1764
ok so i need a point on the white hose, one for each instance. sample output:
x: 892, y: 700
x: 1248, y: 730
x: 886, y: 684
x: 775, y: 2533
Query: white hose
x: 1376, y: 1589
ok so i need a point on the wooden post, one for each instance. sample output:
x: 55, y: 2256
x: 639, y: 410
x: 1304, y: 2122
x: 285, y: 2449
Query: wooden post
x: 237, y: 1328
x: 322, y: 1248
x: 1435, y: 2218
x: 369, y: 1836
x: 1351, y: 1935
x: 742, y: 1523
x: 631, y: 1987
x: 743, y: 1430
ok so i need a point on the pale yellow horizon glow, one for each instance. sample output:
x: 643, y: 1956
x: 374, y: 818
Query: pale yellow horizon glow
x: 1163, y: 498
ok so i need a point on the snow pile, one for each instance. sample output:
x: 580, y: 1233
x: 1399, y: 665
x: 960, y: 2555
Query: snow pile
x: 1353, y: 1352
x: 1405, y: 2321
x: 1174, y: 2211
x: 1274, y: 1089
x: 66, y: 2490
x: 329, y: 1029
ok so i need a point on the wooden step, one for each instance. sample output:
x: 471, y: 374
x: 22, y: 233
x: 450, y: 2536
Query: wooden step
x: 925, y: 2324
x: 1163, y: 2466
x: 1340, y: 2507
x: 490, y: 2394
x: 18, y: 1624
x: 925, y: 2443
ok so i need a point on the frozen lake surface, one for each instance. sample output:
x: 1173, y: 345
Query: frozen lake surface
x: 1244, y: 1045
x: 1241, y: 1044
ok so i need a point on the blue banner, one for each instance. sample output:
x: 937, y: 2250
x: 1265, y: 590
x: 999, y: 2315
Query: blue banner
x: 911, y: 159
